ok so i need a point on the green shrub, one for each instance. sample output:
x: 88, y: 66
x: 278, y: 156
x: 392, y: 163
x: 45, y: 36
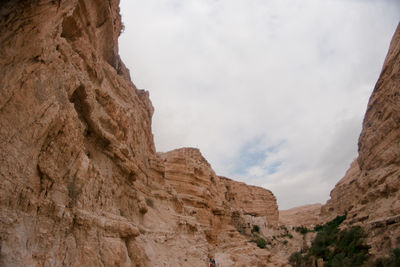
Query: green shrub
x: 318, y: 228
x: 256, y: 229
x: 335, y: 222
x: 298, y: 260
x: 287, y: 234
x: 302, y: 230
x: 336, y: 248
x: 392, y: 261
x: 396, y: 256
x: 261, y: 242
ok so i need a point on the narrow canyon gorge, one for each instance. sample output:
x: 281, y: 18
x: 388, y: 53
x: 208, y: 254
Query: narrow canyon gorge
x: 83, y: 185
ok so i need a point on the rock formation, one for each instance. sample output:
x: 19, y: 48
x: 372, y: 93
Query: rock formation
x: 370, y: 191
x: 81, y: 183
x: 307, y: 216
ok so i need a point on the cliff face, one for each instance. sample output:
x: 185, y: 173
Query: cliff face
x: 201, y: 190
x: 308, y: 216
x: 81, y: 182
x: 216, y: 210
x: 369, y: 192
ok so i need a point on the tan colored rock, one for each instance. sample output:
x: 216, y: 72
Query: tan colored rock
x: 344, y: 193
x: 80, y: 181
x: 252, y: 200
x: 370, y: 191
x: 198, y: 187
x: 307, y: 216
x: 223, y: 209
x: 379, y: 140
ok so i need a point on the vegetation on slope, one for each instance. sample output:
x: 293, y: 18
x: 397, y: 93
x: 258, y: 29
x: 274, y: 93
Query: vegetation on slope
x: 335, y: 247
x: 392, y: 261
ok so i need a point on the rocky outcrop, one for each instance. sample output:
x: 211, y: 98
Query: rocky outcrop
x: 75, y: 134
x: 251, y: 200
x: 225, y: 210
x: 81, y: 182
x: 379, y: 145
x: 369, y: 193
x: 307, y: 216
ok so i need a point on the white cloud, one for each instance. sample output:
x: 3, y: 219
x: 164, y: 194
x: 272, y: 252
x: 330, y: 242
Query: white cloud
x: 294, y: 75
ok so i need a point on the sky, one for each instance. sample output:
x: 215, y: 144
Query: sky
x: 272, y: 92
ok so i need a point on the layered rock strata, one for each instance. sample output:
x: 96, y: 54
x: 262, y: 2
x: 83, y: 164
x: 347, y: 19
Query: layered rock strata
x: 211, y: 205
x: 306, y: 216
x: 81, y: 183
x: 369, y: 193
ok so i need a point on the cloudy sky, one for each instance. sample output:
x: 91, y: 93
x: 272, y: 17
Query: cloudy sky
x: 273, y: 92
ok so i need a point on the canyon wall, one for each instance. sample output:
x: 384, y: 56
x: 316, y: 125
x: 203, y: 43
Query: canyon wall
x: 369, y: 193
x: 81, y: 183
x: 308, y: 216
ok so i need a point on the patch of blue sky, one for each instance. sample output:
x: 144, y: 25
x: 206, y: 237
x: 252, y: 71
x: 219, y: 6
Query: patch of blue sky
x: 273, y: 168
x: 254, y: 153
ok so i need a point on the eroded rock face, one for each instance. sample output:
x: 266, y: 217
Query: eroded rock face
x: 74, y: 133
x: 252, y: 200
x: 200, y: 189
x: 223, y: 209
x: 307, y: 216
x: 370, y: 191
x: 81, y: 182
x: 379, y: 141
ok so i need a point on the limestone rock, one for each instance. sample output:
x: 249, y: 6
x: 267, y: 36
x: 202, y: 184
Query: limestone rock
x: 252, y: 200
x: 225, y: 210
x: 307, y: 216
x: 370, y: 191
x: 379, y: 140
x: 80, y: 180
